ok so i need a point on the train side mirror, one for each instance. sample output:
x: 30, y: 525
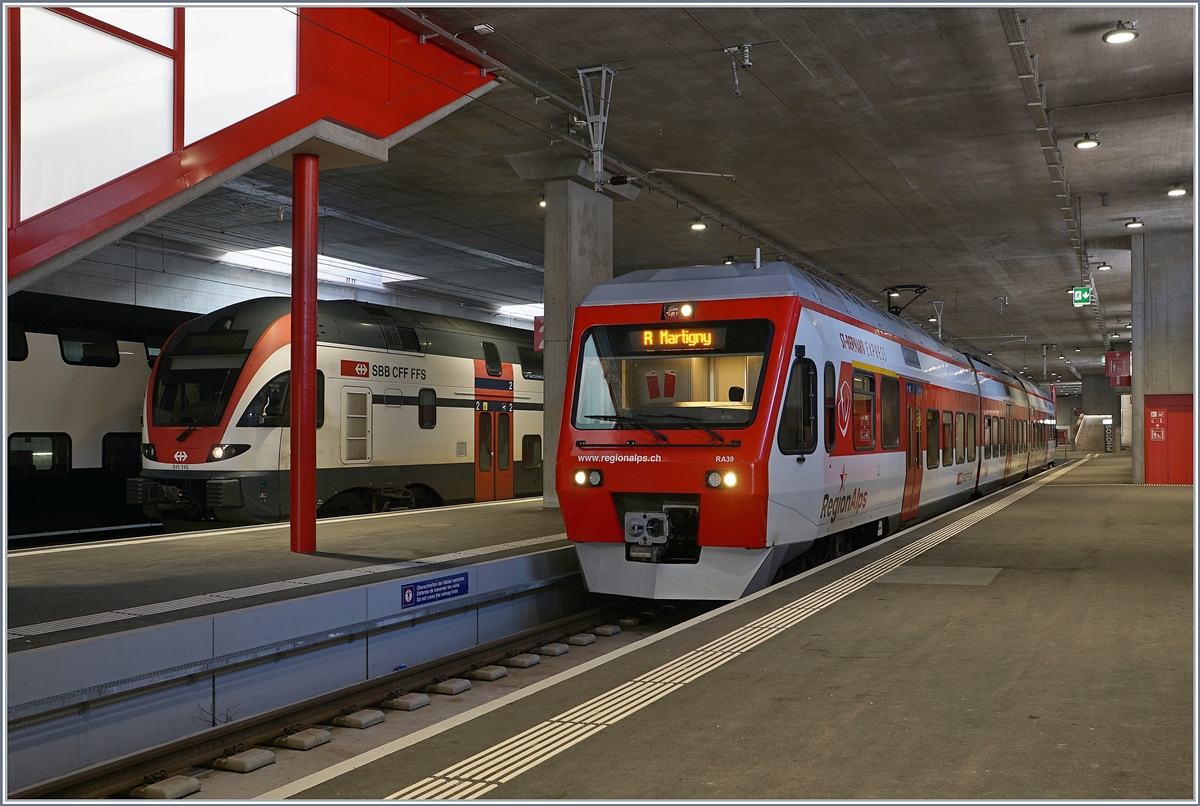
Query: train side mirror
x: 736, y: 394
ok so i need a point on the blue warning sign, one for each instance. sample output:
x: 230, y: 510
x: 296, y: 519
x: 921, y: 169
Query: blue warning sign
x: 433, y: 590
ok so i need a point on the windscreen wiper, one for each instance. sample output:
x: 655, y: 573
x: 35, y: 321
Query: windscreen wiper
x: 624, y: 418
x: 186, y: 432
x: 690, y: 423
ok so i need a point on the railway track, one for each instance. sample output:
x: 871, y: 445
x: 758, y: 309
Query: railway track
x: 157, y: 764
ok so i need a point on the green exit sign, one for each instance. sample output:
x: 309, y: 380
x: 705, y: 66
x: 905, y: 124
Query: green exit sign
x: 1081, y: 295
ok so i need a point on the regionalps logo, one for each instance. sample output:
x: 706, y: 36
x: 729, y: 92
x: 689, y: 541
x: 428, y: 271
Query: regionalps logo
x: 832, y: 507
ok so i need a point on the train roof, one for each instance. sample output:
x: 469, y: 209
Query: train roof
x: 774, y: 279
x: 341, y: 321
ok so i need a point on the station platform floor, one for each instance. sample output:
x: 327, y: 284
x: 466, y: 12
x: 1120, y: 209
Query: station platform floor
x: 1038, y: 643
x: 67, y: 593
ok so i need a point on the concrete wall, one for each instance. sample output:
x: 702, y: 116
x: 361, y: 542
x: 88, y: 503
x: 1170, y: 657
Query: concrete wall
x: 1163, y: 280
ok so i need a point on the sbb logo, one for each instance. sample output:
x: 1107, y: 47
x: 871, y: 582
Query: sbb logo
x: 356, y: 369
x: 180, y: 456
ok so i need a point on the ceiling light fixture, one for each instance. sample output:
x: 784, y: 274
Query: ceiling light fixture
x: 1129, y: 326
x: 933, y: 319
x: 699, y: 224
x: 1103, y: 266
x: 1134, y: 223
x: 1177, y: 190
x: 1087, y: 141
x: 541, y: 201
x: 894, y: 294
x: 1122, y: 33
x: 729, y: 260
x: 989, y: 352
x: 1079, y: 349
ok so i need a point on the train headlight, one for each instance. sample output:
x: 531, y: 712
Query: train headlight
x: 717, y: 479
x: 219, y: 452
x: 679, y: 310
x: 586, y: 477
x: 149, y: 452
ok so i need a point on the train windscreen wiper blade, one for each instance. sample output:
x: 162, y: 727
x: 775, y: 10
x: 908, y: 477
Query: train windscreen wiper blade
x: 186, y: 432
x: 624, y: 418
x: 690, y: 423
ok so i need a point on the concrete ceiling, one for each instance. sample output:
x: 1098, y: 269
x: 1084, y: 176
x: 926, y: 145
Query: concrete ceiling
x: 882, y: 145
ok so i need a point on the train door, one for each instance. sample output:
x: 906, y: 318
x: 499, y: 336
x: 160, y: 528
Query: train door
x: 493, y: 452
x: 914, y: 399
x: 1008, y: 429
x: 356, y: 425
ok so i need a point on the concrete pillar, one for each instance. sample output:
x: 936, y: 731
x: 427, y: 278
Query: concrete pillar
x: 1162, y: 279
x: 578, y: 257
x: 1097, y: 395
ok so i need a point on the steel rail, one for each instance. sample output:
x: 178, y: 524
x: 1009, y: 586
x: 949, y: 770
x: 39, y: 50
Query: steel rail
x: 155, y: 764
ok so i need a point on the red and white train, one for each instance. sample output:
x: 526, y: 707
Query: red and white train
x: 413, y: 409
x: 721, y: 420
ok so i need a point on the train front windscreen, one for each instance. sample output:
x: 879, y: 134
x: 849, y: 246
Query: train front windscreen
x: 671, y: 376
x: 194, y: 381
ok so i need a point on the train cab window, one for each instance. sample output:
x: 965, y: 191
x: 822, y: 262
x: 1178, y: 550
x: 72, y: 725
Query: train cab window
x: 154, y: 345
x: 947, y: 438
x: 491, y: 359
x: 931, y: 438
x: 889, y: 412
x: 531, y: 364
x: 427, y: 408
x: 971, y: 438
x: 798, y: 423
x: 88, y: 348
x: 271, y: 407
x: 121, y: 452
x: 863, y: 420
x: 39, y: 454
x: 18, y: 345
x: 1000, y: 429
x: 960, y: 437
x: 830, y: 406
x: 531, y: 451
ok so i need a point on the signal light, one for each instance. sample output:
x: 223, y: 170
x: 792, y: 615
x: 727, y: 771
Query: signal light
x: 149, y: 452
x: 588, y: 477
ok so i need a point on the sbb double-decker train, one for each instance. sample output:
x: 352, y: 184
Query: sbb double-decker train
x: 413, y: 409
x: 721, y: 420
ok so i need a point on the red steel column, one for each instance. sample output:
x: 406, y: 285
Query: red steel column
x: 304, y: 354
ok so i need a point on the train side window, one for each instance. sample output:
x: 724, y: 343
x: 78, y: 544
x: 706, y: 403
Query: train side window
x: 427, y: 408
x: 960, y: 437
x: 483, y: 452
x: 272, y: 406
x: 531, y: 451
x: 88, y: 348
x: 491, y: 359
x: 987, y: 437
x: 154, y: 345
x: 931, y: 438
x: 798, y: 424
x: 503, y: 440
x: 830, y: 407
x: 889, y: 412
x: 121, y: 452
x: 41, y: 454
x: 947, y: 438
x: 1000, y: 434
x: 18, y: 345
x: 863, y: 421
x: 532, y: 364
x: 971, y: 438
